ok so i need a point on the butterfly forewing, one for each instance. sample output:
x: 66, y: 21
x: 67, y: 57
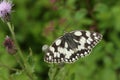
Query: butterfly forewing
x: 69, y: 47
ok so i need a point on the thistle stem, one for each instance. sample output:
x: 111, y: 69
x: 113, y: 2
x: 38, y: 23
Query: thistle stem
x: 24, y: 65
x: 13, y: 36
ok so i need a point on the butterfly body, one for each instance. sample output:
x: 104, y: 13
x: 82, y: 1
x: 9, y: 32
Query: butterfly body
x: 71, y: 46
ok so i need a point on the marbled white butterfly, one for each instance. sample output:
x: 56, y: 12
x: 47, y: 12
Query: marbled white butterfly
x: 69, y: 47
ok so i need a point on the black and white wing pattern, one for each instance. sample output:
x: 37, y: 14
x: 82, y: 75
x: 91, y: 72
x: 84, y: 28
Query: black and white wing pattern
x: 71, y: 46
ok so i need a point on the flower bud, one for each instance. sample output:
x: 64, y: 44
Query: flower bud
x: 9, y: 45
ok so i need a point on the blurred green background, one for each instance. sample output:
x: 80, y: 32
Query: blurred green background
x: 39, y: 22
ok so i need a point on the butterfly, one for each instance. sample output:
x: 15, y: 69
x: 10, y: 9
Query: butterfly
x: 71, y: 46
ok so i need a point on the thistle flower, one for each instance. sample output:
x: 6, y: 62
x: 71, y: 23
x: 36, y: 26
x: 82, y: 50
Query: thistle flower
x: 9, y: 44
x: 49, y: 28
x: 5, y: 9
x: 53, y: 1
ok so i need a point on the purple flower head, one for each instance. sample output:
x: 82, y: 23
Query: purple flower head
x: 9, y: 45
x: 5, y: 9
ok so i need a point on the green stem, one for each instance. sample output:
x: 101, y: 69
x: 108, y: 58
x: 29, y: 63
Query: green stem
x: 13, y: 36
x: 52, y: 72
x: 5, y: 66
x: 24, y: 65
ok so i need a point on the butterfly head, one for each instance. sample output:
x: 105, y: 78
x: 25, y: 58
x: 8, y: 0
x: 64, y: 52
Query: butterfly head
x: 45, y: 48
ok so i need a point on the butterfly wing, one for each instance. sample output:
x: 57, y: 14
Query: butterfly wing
x: 71, y: 46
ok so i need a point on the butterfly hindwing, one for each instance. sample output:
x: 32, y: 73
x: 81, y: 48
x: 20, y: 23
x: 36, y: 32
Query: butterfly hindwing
x: 69, y: 47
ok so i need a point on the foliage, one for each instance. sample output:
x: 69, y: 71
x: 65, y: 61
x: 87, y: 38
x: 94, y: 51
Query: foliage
x: 39, y: 22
